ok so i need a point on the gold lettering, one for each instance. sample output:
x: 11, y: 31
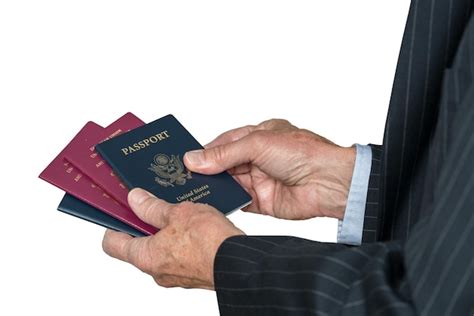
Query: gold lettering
x: 195, y: 194
x: 142, y: 144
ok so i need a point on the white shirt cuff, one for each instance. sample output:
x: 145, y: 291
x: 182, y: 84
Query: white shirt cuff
x: 350, y: 227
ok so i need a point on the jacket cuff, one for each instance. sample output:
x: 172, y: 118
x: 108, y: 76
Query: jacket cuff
x: 372, y: 205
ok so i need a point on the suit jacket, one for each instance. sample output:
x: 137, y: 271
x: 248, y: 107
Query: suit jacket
x: 417, y: 255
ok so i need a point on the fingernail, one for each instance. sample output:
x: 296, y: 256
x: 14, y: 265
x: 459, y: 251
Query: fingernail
x: 137, y: 196
x: 195, y: 157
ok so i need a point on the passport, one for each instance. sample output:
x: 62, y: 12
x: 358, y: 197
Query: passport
x: 150, y: 157
x: 87, y: 160
x: 64, y: 175
x: 75, y: 207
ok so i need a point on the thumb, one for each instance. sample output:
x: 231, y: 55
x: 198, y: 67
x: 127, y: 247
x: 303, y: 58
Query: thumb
x: 223, y: 157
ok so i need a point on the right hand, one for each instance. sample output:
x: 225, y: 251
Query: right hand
x: 290, y: 173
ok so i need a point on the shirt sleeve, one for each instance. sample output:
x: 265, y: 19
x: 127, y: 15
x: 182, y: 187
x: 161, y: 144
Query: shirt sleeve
x: 350, y: 227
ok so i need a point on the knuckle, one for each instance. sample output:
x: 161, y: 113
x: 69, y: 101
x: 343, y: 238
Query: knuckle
x: 218, y: 153
x: 149, y: 207
x: 142, y: 264
x: 227, y: 135
x: 275, y: 124
x: 141, y: 257
x: 185, y: 206
x: 164, y: 281
x: 260, y: 138
x: 247, y: 129
x: 303, y: 136
x: 180, y: 210
x: 281, y: 122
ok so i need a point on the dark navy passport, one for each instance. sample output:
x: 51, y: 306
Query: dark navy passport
x: 75, y: 207
x: 151, y: 157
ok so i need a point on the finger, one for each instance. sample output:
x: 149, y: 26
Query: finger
x: 127, y: 248
x: 114, y: 244
x: 246, y: 182
x: 149, y: 208
x: 252, y: 208
x: 231, y: 136
x: 242, y: 169
x: 223, y: 157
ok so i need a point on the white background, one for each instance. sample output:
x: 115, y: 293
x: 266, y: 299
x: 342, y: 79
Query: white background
x: 325, y: 66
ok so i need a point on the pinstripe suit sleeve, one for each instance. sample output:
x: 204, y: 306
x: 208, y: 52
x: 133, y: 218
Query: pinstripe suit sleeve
x: 292, y: 276
x: 369, y: 232
x: 432, y: 273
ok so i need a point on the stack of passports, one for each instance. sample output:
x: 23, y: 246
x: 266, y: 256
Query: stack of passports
x: 100, y: 165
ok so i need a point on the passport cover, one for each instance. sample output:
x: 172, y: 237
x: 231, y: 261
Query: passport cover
x: 62, y: 174
x: 75, y: 207
x: 150, y: 157
x: 88, y: 161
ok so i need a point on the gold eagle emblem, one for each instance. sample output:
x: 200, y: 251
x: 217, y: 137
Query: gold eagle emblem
x: 169, y: 170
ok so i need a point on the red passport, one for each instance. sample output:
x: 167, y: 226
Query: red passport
x: 62, y: 174
x: 88, y: 161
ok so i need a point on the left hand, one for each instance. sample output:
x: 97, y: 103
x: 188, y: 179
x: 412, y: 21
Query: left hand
x: 182, y: 253
x: 290, y: 173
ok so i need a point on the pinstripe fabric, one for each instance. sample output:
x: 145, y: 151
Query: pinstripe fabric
x: 417, y: 253
x: 373, y: 196
x: 433, y: 32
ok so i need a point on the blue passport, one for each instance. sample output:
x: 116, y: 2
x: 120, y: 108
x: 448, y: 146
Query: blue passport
x: 151, y: 157
x: 75, y: 207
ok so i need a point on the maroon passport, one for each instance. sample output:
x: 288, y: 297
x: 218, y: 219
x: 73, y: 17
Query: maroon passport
x: 88, y: 161
x: 62, y: 174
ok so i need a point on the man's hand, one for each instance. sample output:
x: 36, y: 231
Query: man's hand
x: 290, y: 173
x: 182, y: 253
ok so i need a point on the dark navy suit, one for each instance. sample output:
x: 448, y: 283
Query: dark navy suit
x: 417, y: 255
